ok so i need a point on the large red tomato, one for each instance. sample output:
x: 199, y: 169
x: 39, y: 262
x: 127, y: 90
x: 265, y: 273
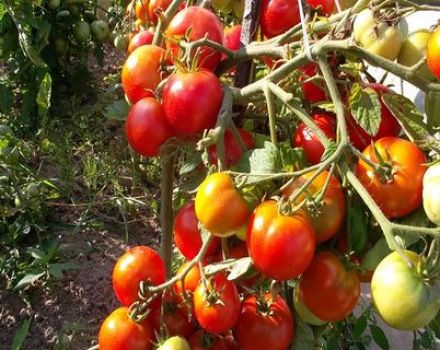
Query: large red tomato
x: 401, y: 192
x: 264, y: 324
x: 217, y: 306
x: 306, y: 138
x: 312, y: 92
x: 233, y: 150
x: 281, y: 247
x: 433, y: 53
x: 200, y: 23
x: 137, y: 264
x: 328, y: 290
x: 328, y: 215
x: 146, y: 127
x: 119, y: 332
x: 191, y: 101
x: 141, y: 72
x: 277, y: 16
x: 389, y: 126
x: 142, y: 38
x: 187, y: 235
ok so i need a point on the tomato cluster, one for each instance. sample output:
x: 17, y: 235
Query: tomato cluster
x: 257, y: 223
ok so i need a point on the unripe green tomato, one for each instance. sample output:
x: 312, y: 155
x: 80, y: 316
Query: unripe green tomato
x: 223, y: 6
x: 81, y: 32
x: 414, y: 50
x: 431, y: 193
x: 18, y: 202
x: 175, y: 343
x: 53, y: 4
x: 238, y: 8
x: 402, y: 295
x: 303, y: 312
x: 100, y: 30
x: 33, y: 190
x: 121, y: 42
x: 378, y: 38
x: 74, y: 10
x: 4, y: 180
x: 61, y: 46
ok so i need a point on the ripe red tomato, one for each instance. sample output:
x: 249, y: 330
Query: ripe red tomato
x: 217, y: 306
x: 225, y: 215
x: 233, y: 150
x: 119, y: 332
x: 146, y: 127
x: 264, y: 324
x: 232, y: 37
x: 191, y: 101
x: 402, y: 193
x: 137, y: 264
x: 278, y: 16
x: 203, y: 23
x: 201, y: 340
x: 389, y: 126
x: 187, y: 235
x: 433, y: 53
x: 141, y: 72
x: 191, y: 280
x: 329, y: 214
x: 142, y: 38
x: 312, y: 93
x: 306, y: 138
x: 328, y: 290
x: 175, y: 317
x: 281, y: 247
x: 326, y: 6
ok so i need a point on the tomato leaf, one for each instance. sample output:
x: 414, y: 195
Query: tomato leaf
x: 330, y: 148
x: 365, y: 108
x: 29, y: 279
x: 236, y: 267
x: 411, y: 121
x: 432, y: 108
x: 357, y: 226
x: 44, y: 95
x: 265, y: 160
x: 359, y: 327
x: 375, y: 255
x: 292, y: 158
x: 304, y: 338
x: 21, y: 334
x: 379, y: 337
x: 191, y: 163
x: 118, y: 110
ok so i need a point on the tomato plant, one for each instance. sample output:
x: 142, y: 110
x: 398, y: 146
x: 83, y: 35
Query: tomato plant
x: 119, y: 332
x: 265, y: 322
x: 141, y: 72
x: 191, y: 101
x: 326, y: 215
x: 401, y: 294
x: 398, y: 191
x: 217, y: 305
x: 328, y: 290
x: 146, y: 127
x: 202, y: 23
x: 433, y: 53
x: 187, y: 235
x: 137, y: 264
x: 281, y: 246
x: 228, y: 212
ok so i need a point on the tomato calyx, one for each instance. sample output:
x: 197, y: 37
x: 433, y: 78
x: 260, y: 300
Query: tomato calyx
x: 383, y: 168
x: 264, y: 305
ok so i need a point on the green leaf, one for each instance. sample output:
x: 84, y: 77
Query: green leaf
x: 357, y: 226
x: 240, y: 268
x: 28, y: 280
x: 329, y: 150
x: 376, y: 254
x: 191, y: 163
x: 36, y: 253
x: 379, y: 337
x: 304, y: 338
x: 21, y: 334
x: 411, y: 120
x: 292, y: 158
x: 265, y: 160
x: 359, y: 327
x: 118, y: 110
x: 44, y: 95
x: 365, y: 108
x: 57, y: 270
x: 6, y: 98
